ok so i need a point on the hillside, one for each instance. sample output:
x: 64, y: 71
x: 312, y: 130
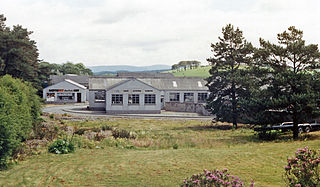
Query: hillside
x: 202, y: 71
x: 114, y: 69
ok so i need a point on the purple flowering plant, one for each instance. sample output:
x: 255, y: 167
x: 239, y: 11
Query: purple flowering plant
x: 303, y: 169
x: 215, y: 178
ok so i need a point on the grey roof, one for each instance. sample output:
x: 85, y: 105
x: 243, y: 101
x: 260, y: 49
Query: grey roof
x: 144, y: 74
x: 176, y: 83
x: 75, y: 83
x: 97, y: 83
x: 81, y: 79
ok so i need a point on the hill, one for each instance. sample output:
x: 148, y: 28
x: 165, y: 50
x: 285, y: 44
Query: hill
x: 114, y: 69
x: 202, y: 71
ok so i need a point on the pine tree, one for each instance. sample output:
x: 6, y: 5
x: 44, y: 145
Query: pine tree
x: 292, y: 81
x: 228, y: 75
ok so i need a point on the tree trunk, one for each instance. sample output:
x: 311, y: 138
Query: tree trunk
x: 295, y: 125
x: 234, y: 107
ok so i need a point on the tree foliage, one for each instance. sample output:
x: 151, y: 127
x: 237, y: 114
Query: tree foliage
x: 19, y: 113
x: 228, y: 79
x: 185, y: 65
x: 19, y: 58
x: 18, y: 53
x: 290, y: 82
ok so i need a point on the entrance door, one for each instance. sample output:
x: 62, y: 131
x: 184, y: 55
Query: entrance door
x: 162, y: 102
x: 79, y: 97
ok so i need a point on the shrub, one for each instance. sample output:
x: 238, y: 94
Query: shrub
x: 106, y: 127
x: 303, y: 169
x: 19, y: 113
x: 51, y: 116
x: 175, y: 146
x: 121, y: 133
x: 61, y: 147
x: 215, y: 178
x: 268, y: 135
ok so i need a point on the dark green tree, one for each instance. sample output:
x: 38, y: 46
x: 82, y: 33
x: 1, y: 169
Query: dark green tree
x: 290, y: 89
x: 18, y: 53
x: 227, y: 81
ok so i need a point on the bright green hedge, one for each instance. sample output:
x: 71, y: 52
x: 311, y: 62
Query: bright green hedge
x: 19, y: 113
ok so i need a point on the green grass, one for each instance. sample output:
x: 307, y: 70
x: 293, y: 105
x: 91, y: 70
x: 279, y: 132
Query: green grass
x: 198, y: 72
x: 153, y: 161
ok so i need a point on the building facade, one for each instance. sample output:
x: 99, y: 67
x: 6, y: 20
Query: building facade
x: 66, y: 91
x: 147, y: 95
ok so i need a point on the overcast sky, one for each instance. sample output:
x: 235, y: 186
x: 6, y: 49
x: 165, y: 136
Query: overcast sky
x: 148, y: 32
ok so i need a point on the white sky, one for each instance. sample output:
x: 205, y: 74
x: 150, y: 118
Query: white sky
x: 148, y: 32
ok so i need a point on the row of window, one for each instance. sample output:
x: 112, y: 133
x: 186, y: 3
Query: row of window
x: 188, y: 97
x: 117, y: 99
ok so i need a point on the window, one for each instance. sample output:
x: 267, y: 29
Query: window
x: 174, y: 96
x: 148, y: 91
x: 133, y: 99
x: 188, y: 97
x: 150, y: 99
x: 202, y: 97
x: 116, y: 99
x: 100, y: 97
x: 136, y: 90
x: 174, y: 84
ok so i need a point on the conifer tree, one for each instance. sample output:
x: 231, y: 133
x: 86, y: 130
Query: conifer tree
x: 291, y: 87
x: 228, y: 77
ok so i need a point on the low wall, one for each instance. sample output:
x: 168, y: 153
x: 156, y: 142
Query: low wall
x: 186, y: 107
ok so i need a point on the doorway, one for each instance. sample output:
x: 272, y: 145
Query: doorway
x: 79, y: 97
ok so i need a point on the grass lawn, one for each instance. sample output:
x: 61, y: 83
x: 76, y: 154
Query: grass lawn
x: 153, y: 162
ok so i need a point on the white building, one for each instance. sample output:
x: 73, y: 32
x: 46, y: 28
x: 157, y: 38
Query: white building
x: 147, y: 95
x: 66, y: 91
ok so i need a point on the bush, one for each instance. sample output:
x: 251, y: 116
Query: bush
x: 303, y: 169
x: 106, y: 127
x: 268, y: 135
x: 61, y: 147
x: 213, y: 178
x: 121, y: 133
x: 175, y: 146
x: 19, y: 113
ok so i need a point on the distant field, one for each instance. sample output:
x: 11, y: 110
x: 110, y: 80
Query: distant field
x: 150, y: 160
x: 198, y: 72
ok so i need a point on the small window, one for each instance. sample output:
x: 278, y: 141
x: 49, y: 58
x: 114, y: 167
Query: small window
x: 150, y: 99
x: 174, y: 84
x: 188, y: 97
x: 100, y: 97
x: 116, y: 99
x: 202, y: 97
x: 133, y: 99
x: 174, y: 97
x: 148, y: 90
x: 136, y: 90
x: 125, y: 90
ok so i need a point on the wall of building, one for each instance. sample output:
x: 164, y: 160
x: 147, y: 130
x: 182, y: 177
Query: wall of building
x: 93, y: 104
x: 182, y: 106
x: 133, y: 87
x: 52, y: 94
x: 186, y: 107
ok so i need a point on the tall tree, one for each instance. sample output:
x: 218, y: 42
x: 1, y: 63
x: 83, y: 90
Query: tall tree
x: 18, y: 53
x: 227, y: 79
x: 290, y: 86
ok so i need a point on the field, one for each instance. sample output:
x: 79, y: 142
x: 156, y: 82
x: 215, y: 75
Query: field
x: 151, y: 160
x: 202, y: 71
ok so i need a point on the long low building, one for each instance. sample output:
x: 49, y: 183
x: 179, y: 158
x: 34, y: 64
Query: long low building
x: 147, y: 95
